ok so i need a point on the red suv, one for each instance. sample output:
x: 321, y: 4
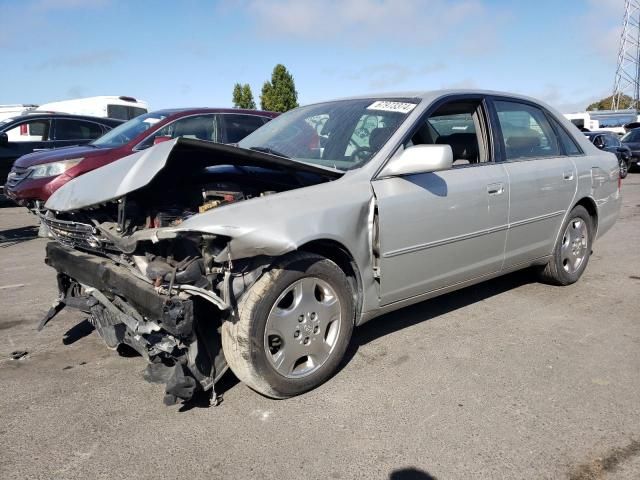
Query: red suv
x: 34, y: 177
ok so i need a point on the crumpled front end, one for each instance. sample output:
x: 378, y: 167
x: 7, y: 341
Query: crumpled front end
x: 170, y: 324
x: 158, y: 248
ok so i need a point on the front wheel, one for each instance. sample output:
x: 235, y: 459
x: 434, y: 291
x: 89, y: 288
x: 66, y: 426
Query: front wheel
x: 572, y: 250
x: 293, y: 326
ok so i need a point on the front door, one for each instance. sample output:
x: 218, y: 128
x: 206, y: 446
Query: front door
x: 23, y: 138
x: 443, y: 228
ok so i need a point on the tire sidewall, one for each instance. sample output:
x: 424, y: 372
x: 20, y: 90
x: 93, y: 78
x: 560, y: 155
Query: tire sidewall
x: 327, y: 271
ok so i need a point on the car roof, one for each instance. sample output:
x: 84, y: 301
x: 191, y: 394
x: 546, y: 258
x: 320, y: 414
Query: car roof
x: 431, y: 95
x: 36, y: 115
x: 180, y: 112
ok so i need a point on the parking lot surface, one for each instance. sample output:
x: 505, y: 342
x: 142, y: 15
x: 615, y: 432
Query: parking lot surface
x: 507, y: 379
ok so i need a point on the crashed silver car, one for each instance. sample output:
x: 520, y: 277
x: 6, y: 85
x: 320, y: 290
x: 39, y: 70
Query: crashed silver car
x: 265, y: 255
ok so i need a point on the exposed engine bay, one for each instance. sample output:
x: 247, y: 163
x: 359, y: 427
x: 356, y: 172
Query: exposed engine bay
x: 164, y: 297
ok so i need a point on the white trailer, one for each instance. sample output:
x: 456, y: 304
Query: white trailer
x: 9, y: 111
x: 122, y: 107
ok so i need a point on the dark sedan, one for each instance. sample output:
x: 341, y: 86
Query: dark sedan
x: 44, y: 130
x: 632, y: 140
x: 610, y: 142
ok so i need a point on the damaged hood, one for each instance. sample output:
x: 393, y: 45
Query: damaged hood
x: 133, y: 172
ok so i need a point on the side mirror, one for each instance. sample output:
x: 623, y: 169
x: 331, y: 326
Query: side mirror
x: 161, y: 138
x: 419, y: 159
x: 4, y: 139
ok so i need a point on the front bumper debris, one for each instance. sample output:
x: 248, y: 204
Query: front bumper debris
x: 178, y: 335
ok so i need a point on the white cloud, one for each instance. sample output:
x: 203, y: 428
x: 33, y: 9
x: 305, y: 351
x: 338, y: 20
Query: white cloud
x: 388, y: 75
x: 46, y: 5
x: 602, y: 22
x: 82, y: 60
x: 365, y: 22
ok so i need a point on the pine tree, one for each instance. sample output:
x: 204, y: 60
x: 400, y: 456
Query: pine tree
x: 243, y: 97
x: 247, y: 97
x: 279, y: 95
x: 237, y: 95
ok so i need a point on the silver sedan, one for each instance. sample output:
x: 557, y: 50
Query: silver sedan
x: 263, y: 256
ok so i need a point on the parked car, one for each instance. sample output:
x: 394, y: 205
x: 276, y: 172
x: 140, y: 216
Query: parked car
x: 44, y: 131
x: 631, y: 139
x: 265, y: 255
x: 610, y: 142
x: 122, y: 107
x: 35, y: 177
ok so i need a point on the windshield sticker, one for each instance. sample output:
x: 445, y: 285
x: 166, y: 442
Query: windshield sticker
x: 386, y: 106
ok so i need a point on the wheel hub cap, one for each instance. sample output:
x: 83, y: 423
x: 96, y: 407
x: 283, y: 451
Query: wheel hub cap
x: 575, y: 241
x: 302, y: 327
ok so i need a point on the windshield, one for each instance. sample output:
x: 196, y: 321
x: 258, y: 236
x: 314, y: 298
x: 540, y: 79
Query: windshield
x: 344, y: 134
x: 128, y: 131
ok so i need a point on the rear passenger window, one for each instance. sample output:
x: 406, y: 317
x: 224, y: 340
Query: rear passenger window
x: 239, y: 126
x: 77, y: 130
x: 526, y: 132
x: 568, y: 143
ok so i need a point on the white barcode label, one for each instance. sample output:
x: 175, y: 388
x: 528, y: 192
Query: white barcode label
x: 386, y: 106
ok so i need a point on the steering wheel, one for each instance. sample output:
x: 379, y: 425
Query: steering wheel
x: 361, y: 154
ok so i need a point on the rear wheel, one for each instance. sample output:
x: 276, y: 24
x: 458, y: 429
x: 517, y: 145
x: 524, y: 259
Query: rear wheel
x: 572, y: 251
x: 624, y: 168
x: 293, y: 326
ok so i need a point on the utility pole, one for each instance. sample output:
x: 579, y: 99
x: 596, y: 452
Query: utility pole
x: 627, y: 81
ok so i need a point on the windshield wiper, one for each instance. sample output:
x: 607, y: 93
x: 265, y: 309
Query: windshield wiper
x: 270, y: 151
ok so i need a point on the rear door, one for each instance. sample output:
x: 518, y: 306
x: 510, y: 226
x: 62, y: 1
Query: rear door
x: 67, y: 132
x: 443, y: 228
x: 542, y: 178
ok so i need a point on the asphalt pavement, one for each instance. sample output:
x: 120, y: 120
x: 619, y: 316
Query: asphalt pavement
x: 507, y: 379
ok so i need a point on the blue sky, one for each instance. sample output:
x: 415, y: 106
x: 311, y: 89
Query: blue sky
x: 191, y: 52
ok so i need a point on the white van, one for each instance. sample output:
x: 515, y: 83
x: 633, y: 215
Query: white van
x: 121, y: 108
x: 15, y: 110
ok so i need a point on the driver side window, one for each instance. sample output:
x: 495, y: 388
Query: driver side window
x: 457, y: 124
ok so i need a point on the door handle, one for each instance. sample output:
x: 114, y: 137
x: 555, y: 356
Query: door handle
x: 495, y: 188
x: 567, y: 176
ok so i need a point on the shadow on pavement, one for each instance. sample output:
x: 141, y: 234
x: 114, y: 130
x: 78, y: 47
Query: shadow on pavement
x: 14, y: 236
x: 424, y: 311
x: 411, y: 474
x: 77, y: 332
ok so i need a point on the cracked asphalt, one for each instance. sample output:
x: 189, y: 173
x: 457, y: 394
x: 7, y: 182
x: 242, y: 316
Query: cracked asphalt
x: 507, y: 379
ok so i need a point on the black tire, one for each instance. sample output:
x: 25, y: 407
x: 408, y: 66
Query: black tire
x: 243, y: 338
x: 624, y: 168
x: 555, y: 272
